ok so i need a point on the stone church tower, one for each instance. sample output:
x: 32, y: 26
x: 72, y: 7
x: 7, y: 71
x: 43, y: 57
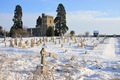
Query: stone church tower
x: 47, y: 21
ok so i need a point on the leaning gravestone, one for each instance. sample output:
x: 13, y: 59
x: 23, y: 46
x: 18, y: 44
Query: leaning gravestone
x: 40, y: 40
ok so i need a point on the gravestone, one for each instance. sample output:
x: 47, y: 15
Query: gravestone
x: 51, y: 55
x: 11, y: 43
x: 59, y: 42
x: 38, y: 43
x: 26, y: 42
x: 86, y: 52
x: 15, y: 41
x: 4, y: 43
x: 32, y: 42
x: 72, y: 58
x: 43, y: 61
x: 20, y: 44
x: 24, y: 47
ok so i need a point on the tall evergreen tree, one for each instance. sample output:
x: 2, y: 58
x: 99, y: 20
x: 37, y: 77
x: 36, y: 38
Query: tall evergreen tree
x: 39, y: 22
x: 18, y: 24
x: 18, y: 17
x: 60, y: 21
x: 50, y: 31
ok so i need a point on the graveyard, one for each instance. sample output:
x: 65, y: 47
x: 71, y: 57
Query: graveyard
x: 60, y: 58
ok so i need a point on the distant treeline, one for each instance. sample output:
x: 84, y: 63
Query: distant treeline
x: 102, y: 36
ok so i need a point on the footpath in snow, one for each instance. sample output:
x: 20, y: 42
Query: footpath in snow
x: 109, y: 52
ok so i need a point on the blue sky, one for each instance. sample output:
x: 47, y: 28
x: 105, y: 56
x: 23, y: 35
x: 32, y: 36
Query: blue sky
x: 82, y: 15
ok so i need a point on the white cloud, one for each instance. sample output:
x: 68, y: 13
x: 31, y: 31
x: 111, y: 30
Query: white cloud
x: 79, y: 21
x: 82, y: 21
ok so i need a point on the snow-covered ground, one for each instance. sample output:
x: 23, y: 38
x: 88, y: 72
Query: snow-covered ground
x: 70, y: 62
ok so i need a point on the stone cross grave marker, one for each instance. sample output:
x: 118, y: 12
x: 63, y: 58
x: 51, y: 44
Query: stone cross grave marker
x: 43, y: 61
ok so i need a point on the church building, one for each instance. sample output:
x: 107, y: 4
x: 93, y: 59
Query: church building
x: 47, y: 21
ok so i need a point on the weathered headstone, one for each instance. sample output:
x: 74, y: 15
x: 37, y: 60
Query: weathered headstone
x: 40, y: 40
x: 32, y: 42
x: 4, y: 43
x: 38, y: 43
x: 51, y: 55
x: 11, y: 43
x: 23, y: 47
x: 43, y: 61
x: 15, y: 41
x: 26, y: 42
x: 46, y: 39
x: 86, y: 52
x: 20, y: 44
